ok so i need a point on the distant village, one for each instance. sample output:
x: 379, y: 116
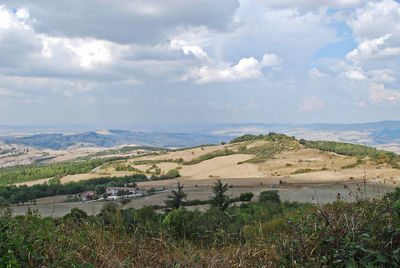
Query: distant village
x: 114, y: 193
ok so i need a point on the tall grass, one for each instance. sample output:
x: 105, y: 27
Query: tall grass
x: 261, y: 234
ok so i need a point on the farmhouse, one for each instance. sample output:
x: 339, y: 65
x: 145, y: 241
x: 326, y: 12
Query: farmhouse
x: 115, y: 190
x: 88, y: 195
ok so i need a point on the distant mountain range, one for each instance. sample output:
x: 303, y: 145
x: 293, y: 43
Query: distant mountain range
x: 111, y: 138
x: 385, y: 135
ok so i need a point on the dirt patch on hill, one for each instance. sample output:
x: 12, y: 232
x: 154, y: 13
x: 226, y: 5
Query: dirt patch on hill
x: 222, y: 167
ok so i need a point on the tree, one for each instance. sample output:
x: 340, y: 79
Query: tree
x: 100, y: 189
x: 173, y: 173
x: 246, y: 197
x: 220, y: 199
x: 176, y: 198
x: 272, y: 196
x: 76, y: 215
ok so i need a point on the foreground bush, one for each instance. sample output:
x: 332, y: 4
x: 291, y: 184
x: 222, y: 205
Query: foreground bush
x: 261, y: 234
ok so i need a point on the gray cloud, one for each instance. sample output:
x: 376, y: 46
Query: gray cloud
x: 124, y: 21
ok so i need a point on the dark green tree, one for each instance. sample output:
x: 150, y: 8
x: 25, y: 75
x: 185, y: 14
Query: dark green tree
x: 176, y: 198
x: 272, y: 196
x: 220, y: 199
x: 100, y: 189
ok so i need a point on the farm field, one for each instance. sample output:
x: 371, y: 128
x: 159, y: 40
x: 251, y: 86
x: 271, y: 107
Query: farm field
x: 310, y: 193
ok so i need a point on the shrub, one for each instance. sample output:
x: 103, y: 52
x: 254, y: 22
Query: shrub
x: 246, y: 197
x: 272, y: 196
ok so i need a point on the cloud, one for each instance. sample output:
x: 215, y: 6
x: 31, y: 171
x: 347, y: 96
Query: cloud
x: 378, y: 93
x: 125, y: 21
x: 373, y: 49
x: 355, y: 74
x: 245, y: 69
x: 315, y: 73
x: 376, y: 19
x: 311, y: 104
x: 313, y: 3
x: 187, y: 48
x: 376, y: 28
x: 382, y: 75
x: 270, y: 60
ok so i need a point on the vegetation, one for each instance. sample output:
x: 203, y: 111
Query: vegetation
x: 269, y: 196
x: 220, y: 199
x: 274, y: 144
x: 378, y: 156
x: 303, y: 170
x: 127, y: 150
x: 353, y: 165
x: 175, y: 200
x: 173, y: 173
x: 25, y: 173
x: 266, y: 233
x: 23, y: 194
x: 121, y: 167
x: 154, y: 162
x: 209, y: 156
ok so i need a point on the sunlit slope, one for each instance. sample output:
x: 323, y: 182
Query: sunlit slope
x: 272, y: 156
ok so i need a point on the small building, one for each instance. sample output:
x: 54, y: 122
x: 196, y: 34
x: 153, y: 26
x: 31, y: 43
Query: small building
x: 88, y: 195
x: 112, y: 198
x: 146, y: 188
x: 114, y: 190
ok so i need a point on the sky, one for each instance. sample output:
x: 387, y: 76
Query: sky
x: 126, y: 62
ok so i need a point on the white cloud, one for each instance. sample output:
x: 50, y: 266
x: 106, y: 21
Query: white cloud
x: 315, y: 73
x: 378, y: 93
x: 85, y: 53
x: 373, y: 49
x: 8, y: 20
x: 245, y: 69
x: 187, y: 48
x: 355, y: 74
x: 382, y: 75
x: 376, y: 19
x: 270, y: 60
x: 349, y: 71
x: 311, y: 104
x: 22, y: 13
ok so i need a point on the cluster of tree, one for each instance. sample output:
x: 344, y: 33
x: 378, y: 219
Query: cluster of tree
x: 271, y: 136
x: 122, y: 167
x: 171, y: 174
x: 379, y: 156
x: 220, y: 198
x: 23, y: 194
x: 25, y: 173
x: 209, y: 156
x: 128, y: 149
